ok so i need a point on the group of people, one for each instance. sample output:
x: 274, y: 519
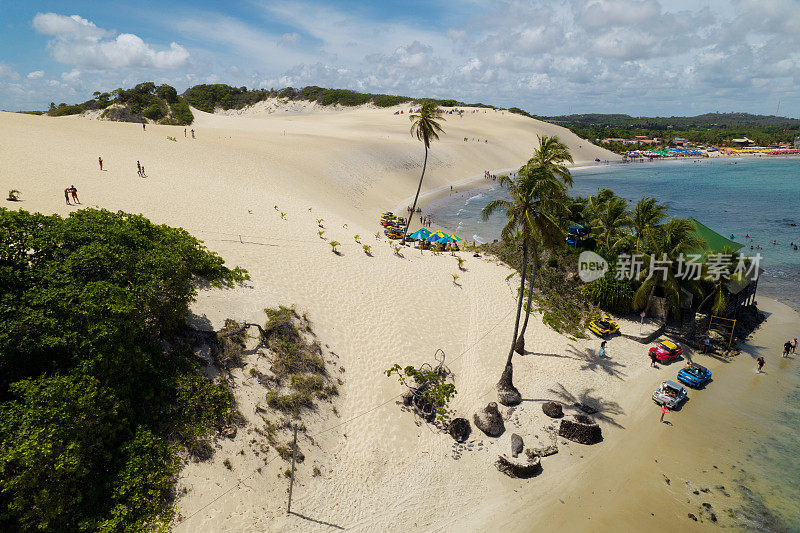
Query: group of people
x: 425, y: 221
x: 489, y: 176
x: 140, y: 170
x: 467, y: 139
x: 71, y: 191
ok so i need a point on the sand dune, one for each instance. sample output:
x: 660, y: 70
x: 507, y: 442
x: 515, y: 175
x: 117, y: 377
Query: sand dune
x: 380, y: 468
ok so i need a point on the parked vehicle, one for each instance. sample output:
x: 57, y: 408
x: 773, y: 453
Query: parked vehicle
x: 666, y: 351
x: 670, y: 394
x: 694, y: 375
x: 604, y: 326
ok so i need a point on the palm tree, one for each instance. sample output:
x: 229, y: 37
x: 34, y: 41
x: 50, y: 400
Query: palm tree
x: 665, y: 244
x: 611, y: 218
x: 546, y: 166
x: 719, y: 282
x: 531, y: 194
x: 648, y: 213
x: 425, y: 127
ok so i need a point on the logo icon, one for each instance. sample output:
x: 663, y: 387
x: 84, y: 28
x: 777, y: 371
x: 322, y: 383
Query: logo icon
x: 591, y: 266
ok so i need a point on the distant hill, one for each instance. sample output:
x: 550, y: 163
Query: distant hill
x: 710, y: 128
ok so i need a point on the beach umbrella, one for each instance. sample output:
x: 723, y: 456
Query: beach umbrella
x: 455, y: 238
x: 421, y: 233
x: 432, y: 238
x: 446, y: 239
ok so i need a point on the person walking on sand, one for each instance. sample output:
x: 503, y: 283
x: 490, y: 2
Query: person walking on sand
x: 602, y: 352
x: 653, y: 359
x: 664, y: 410
x: 787, y: 347
x: 66, y: 195
x: 100, y: 160
x: 184, y: 132
x: 794, y: 345
x: 143, y: 127
x: 192, y: 134
x: 759, y: 364
x: 143, y: 174
x: 74, y: 192
x: 138, y: 168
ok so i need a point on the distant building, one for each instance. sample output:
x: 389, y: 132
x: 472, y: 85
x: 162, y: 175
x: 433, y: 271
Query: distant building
x: 680, y: 141
x: 744, y: 141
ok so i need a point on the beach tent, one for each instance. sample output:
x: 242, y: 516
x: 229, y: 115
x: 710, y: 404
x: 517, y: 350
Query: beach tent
x: 421, y: 233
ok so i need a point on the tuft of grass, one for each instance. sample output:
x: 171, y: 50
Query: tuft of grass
x: 227, y: 463
x: 291, y: 402
x: 367, y: 249
x: 455, y: 279
x: 334, y: 244
x: 460, y: 262
x: 357, y: 238
x: 321, y: 234
x: 319, y: 222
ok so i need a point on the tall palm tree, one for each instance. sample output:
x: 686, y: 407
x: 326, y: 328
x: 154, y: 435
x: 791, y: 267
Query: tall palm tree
x: 546, y: 166
x: 611, y: 218
x: 719, y: 282
x: 528, y: 209
x: 648, y: 213
x: 666, y: 243
x: 425, y: 127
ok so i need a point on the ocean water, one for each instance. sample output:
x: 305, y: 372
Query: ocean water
x: 757, y: 200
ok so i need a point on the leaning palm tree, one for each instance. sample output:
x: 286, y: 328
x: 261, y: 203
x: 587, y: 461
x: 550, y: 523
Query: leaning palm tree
x: 551, y: 156
x: 528, y: 209
x: 664, y: 245
x: 648, y: 213
x: 425, y: 127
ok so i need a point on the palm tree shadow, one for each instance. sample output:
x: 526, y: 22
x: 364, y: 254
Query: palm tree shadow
x: 606, y: 410
x: 321, y: 522
x: 594, y: 362
x: 550, y: 355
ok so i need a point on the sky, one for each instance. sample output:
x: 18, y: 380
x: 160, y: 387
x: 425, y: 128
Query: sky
x: 640, y: 57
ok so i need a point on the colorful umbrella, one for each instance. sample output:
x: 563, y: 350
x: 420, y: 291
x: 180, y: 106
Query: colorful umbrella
x: 421, y: 233
x: 455, y: 238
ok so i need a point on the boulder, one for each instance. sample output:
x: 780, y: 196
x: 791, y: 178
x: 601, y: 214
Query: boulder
x: 489, y: 420
x: 460, y: 429
x: 581, y: 429
x: 517, y: 445
x: 552, y: 409
x: 542, y: 452
x: 518, y: 469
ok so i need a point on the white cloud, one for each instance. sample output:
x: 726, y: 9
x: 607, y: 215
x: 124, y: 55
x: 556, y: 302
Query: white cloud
x: 35, y: 75
x: 72, y: 76
x: 8, y: 72
x: 81, y: 43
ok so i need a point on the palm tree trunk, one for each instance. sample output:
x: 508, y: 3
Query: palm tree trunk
x: 507, y: 393
x: 520, y: 345
x: 650, y: 300
x: 419, y: 187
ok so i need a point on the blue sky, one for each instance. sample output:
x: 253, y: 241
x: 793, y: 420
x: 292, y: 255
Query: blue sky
x: 642, y: 57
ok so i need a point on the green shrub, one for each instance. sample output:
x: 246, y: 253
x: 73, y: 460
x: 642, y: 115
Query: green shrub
x: 93, y: 405
x: 611, y: 294
x: 153, y: 112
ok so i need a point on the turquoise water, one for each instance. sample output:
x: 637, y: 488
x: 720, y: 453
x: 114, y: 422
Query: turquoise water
x: 755, y: 197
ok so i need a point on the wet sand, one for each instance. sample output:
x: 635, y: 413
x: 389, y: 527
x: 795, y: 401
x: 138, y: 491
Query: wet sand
x: 723, y: 436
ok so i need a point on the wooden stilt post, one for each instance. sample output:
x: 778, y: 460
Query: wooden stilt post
x: 291, y: 482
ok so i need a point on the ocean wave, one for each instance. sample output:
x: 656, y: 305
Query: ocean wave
x: 475, y: 198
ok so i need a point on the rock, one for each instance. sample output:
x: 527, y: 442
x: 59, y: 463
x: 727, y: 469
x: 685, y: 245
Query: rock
x: 460, y: 429
x: 518, y: 470
x: 516, y: 445
x: 489, y: 420
x: 543, y: 452
x: 693, y: 517
x: 552, y: 409
x: 581, y: 429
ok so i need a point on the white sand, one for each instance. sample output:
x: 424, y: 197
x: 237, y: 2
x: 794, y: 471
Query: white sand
x: 381, y: 469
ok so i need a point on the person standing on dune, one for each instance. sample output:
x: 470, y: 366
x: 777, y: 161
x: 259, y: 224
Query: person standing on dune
x: 66, y: 195
x: 100, y: 160
x: 74, y: 192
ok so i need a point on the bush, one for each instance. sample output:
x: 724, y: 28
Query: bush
x: 611, y: 294
x: 153, y: 112
x: 65, y: 110
x: 93, y: 407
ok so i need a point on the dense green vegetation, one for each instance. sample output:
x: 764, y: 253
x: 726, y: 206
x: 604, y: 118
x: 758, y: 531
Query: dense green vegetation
x: 99, y: 391
x: 144, y: 101
x: 715, y: 129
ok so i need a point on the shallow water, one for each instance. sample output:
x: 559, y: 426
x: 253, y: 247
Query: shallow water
x: 755, y: 197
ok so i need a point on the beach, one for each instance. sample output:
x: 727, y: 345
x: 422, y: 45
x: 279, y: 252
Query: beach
x: 257, y: 188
